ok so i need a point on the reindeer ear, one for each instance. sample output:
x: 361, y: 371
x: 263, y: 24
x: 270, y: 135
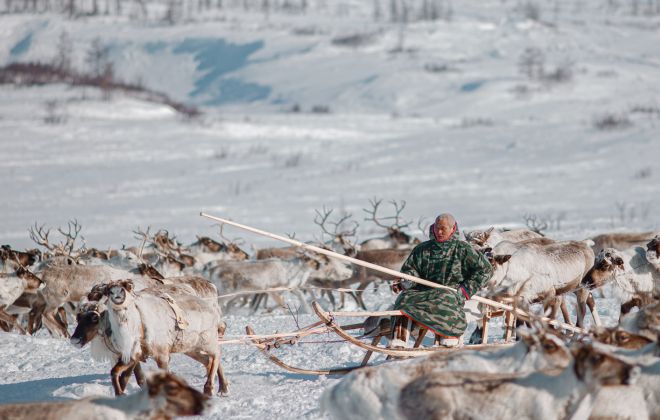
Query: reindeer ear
x: 501, y: 259
x: 127, y: 284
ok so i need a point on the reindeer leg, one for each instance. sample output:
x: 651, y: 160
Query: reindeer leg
x: 582, y: 296
x: 116, y: 372
x: 35, y: 316
x: 125, y: 376
x: 223, y: 384
x: 594, y: 312
x: 53, y: 326
x: 565, y: 313
x: 212, y: 371
x: 62, y: 318
x: 139, y: 375
x: 11, y: 322
x: 303, y: 302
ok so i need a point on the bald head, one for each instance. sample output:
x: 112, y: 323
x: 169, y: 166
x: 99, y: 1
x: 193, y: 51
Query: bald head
x: 444, y: 226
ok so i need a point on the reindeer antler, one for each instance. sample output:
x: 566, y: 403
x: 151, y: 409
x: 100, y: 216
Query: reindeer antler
x: 321, y: 219
x: 338, y: 235
x: 38, y: 235
x: 71, y: 236
x: 237, y: 241
x: 534, y: 223
x: 144, y: 236
x: 398, y: 208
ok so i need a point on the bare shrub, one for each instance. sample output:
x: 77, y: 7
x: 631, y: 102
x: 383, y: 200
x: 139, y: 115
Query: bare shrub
x: 627, y: 213
x: 293, y: 160
x: 305, y: 31
x: 530, y: 10
x: 321, y: 109
x: 608, y: 122
x: 62, y: 59
x: 437, y: 68
x: 54, y: 113
x: 354, y: 40
x: 643, y: 173
x: 258, y: 149
x: 562, y: 73
x: 223, y: 153
x: 476, y: 122
x: 532, y: 63
x: 98, y: 58
x: 646, y: 109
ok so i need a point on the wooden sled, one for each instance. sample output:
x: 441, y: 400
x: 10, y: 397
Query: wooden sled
x: 328, y: 324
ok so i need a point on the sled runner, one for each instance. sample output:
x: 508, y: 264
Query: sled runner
x: 329, y: 324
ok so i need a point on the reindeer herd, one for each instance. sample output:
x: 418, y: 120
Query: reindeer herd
x: 161, y: 298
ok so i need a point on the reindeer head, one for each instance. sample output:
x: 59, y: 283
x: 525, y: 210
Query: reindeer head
x: 653, y: 252
x: 620, y: 338
x: 149, y: 271
x: 88, y: 319
x: 608, y: 259
x: 95, y: 253
x: 119, y: 291
x: 325, y: 267
x: 500, y: 266
x: 209, y: 245
x: 33, y: 282
x: 596, y: 366
x: 5, y: 252
x: 478, y: 237
x: 174, y: 397
x: 97, y: 292
x: 546, y: 345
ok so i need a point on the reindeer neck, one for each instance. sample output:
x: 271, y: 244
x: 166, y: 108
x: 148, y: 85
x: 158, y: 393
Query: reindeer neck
x: 565, y: 385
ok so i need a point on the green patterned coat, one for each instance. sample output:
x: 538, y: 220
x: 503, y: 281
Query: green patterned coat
x: 453, y: 263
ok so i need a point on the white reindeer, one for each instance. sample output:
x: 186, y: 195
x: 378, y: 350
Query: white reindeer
x: 154, y: 324
x: 541, y: 273
x: 436, y: 394
x: 376, y: 390
x: 166, y: 396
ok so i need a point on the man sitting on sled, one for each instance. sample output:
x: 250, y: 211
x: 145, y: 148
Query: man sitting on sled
x: 446, y: 260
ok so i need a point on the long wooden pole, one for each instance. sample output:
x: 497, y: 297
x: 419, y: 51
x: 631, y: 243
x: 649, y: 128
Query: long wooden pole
x: 375, y: 267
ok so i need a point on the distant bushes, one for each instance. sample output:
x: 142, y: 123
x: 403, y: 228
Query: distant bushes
x: 36, y: 74
x: 610, y: 121
x: 532, y: 64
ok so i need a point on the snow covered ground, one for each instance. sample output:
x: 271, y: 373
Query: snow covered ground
x: 440, y: 114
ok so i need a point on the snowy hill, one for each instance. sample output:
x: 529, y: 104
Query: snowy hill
x: 492, y: 111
